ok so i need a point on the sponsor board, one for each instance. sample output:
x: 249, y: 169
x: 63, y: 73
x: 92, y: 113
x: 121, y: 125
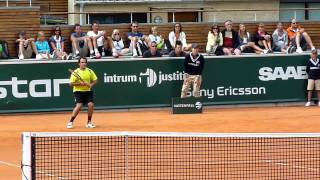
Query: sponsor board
x: 188, y: 105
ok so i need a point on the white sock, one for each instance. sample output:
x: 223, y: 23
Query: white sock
x: 91, y: 51
x: 77, y: 52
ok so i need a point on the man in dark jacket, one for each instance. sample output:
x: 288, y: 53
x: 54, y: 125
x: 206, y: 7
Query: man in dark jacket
x: 193, y: 67
x: 313, y: 70
x: 230, y: 40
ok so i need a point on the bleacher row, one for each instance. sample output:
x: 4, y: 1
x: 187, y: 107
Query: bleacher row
x: 28, y: 20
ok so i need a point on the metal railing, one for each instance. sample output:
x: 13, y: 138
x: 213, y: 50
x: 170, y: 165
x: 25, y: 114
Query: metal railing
x: 7, y: 2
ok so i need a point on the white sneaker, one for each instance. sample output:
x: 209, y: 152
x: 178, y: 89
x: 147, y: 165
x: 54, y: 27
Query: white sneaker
x: 313, y: 48
x: 265, y: 51
x: 21, y: 57
x: 90, y: 125
x: 134, y: 53
x: 70, y: 125
x: 299, y: 50
x: 308, y: 104
x: 38, y: 57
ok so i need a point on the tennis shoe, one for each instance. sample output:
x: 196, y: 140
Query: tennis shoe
x: 70, y: 125
x: 308, y: 104
x: 299, y: 50
x: 90, y: 125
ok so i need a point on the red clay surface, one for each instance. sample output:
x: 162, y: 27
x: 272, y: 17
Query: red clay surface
x: 252, y: 120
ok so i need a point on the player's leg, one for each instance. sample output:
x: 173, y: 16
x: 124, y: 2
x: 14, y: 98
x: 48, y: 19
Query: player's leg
x: 311, y: 84
x: 196, y: 85
x: 78, y: 96
x: 74, y: 114
x: 185, y: 86
x: 89, y: 99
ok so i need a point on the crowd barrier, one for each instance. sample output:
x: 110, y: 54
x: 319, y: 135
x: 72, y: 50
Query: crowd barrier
x: 33, y: 86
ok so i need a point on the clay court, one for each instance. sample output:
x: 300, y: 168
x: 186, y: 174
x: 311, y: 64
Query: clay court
x: 253, y: 120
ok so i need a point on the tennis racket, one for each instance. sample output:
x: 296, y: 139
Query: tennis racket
x: 76, y: 75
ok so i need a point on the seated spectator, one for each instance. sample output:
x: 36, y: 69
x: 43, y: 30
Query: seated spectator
x: 298, y: 37
x: 155, y: 37
x: 262, y: 38
x: 137, y: 40
x: 80, y: 43
x: 115, y: 43
x: 280, y: 39
x: 178, y: 35
x: 230, y: 40
x: 246, y: 45
x: 177, y: 52
x: 215, y: 41
x: 43, y: 48
x: 97, y: 39
x: 57, y: 45
x: 153, y: 51
x: 26, y: 46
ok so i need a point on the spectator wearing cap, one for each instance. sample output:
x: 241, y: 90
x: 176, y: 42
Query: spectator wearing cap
x: 177, y: 52
x: 26, y: 46
x: 193, y: 67
x: 153, y: 51
x: 230, y: 39
x: 313, y: 70
x: 298, y: 38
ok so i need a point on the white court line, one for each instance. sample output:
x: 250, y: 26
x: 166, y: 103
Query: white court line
x: 47, y: 174
x: 6, y: 163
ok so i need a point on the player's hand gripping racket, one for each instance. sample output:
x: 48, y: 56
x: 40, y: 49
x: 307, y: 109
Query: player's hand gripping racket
x: 77, y: 76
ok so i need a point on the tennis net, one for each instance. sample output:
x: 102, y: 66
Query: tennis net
x: 170, y: 156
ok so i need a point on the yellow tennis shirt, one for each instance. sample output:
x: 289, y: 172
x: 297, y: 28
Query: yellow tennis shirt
x: 87, y: 75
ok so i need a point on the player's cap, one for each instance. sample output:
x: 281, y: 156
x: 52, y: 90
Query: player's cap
x: 314, y: 51
x: 194, y: 46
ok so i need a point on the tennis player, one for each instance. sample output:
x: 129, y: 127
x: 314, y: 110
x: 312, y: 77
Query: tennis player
x: 82, y: 80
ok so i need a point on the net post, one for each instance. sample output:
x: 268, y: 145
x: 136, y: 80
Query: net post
x: 126, y: 157
x: 26, y: 156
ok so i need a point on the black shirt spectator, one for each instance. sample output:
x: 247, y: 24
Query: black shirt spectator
x: 193, y: 65
x: 152, y: 52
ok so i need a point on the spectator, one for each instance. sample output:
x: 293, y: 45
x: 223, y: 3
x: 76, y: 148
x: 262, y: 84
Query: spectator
x: 280, y: 39
x: 215, y: 41
x: 262, y: 38
x: 152, y: 52
x: 43, y: 48
x: 177, y: 52
x: 26, y: 46
x: 80, y: 42
x: 57, y: 44
x: 137, y: 40
x: 155, y: 37
x: 193, y: 67
x: 313, y: 70
x: 97, y: 39
x: 245, y: 42
x: 298, y: 37
x: 230, y: 40
x: 178, y: 35
x: 116, y: 44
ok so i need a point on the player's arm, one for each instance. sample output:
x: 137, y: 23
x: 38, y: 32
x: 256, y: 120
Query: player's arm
x: 93, y: 83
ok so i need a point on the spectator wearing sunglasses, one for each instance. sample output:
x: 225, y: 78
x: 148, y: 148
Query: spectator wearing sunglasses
x: 57, y: 44
x: 298, y: 38
x: 178, y: 35
x: 215, y: 41
x: 153, y: 51
x: 116, y: 44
